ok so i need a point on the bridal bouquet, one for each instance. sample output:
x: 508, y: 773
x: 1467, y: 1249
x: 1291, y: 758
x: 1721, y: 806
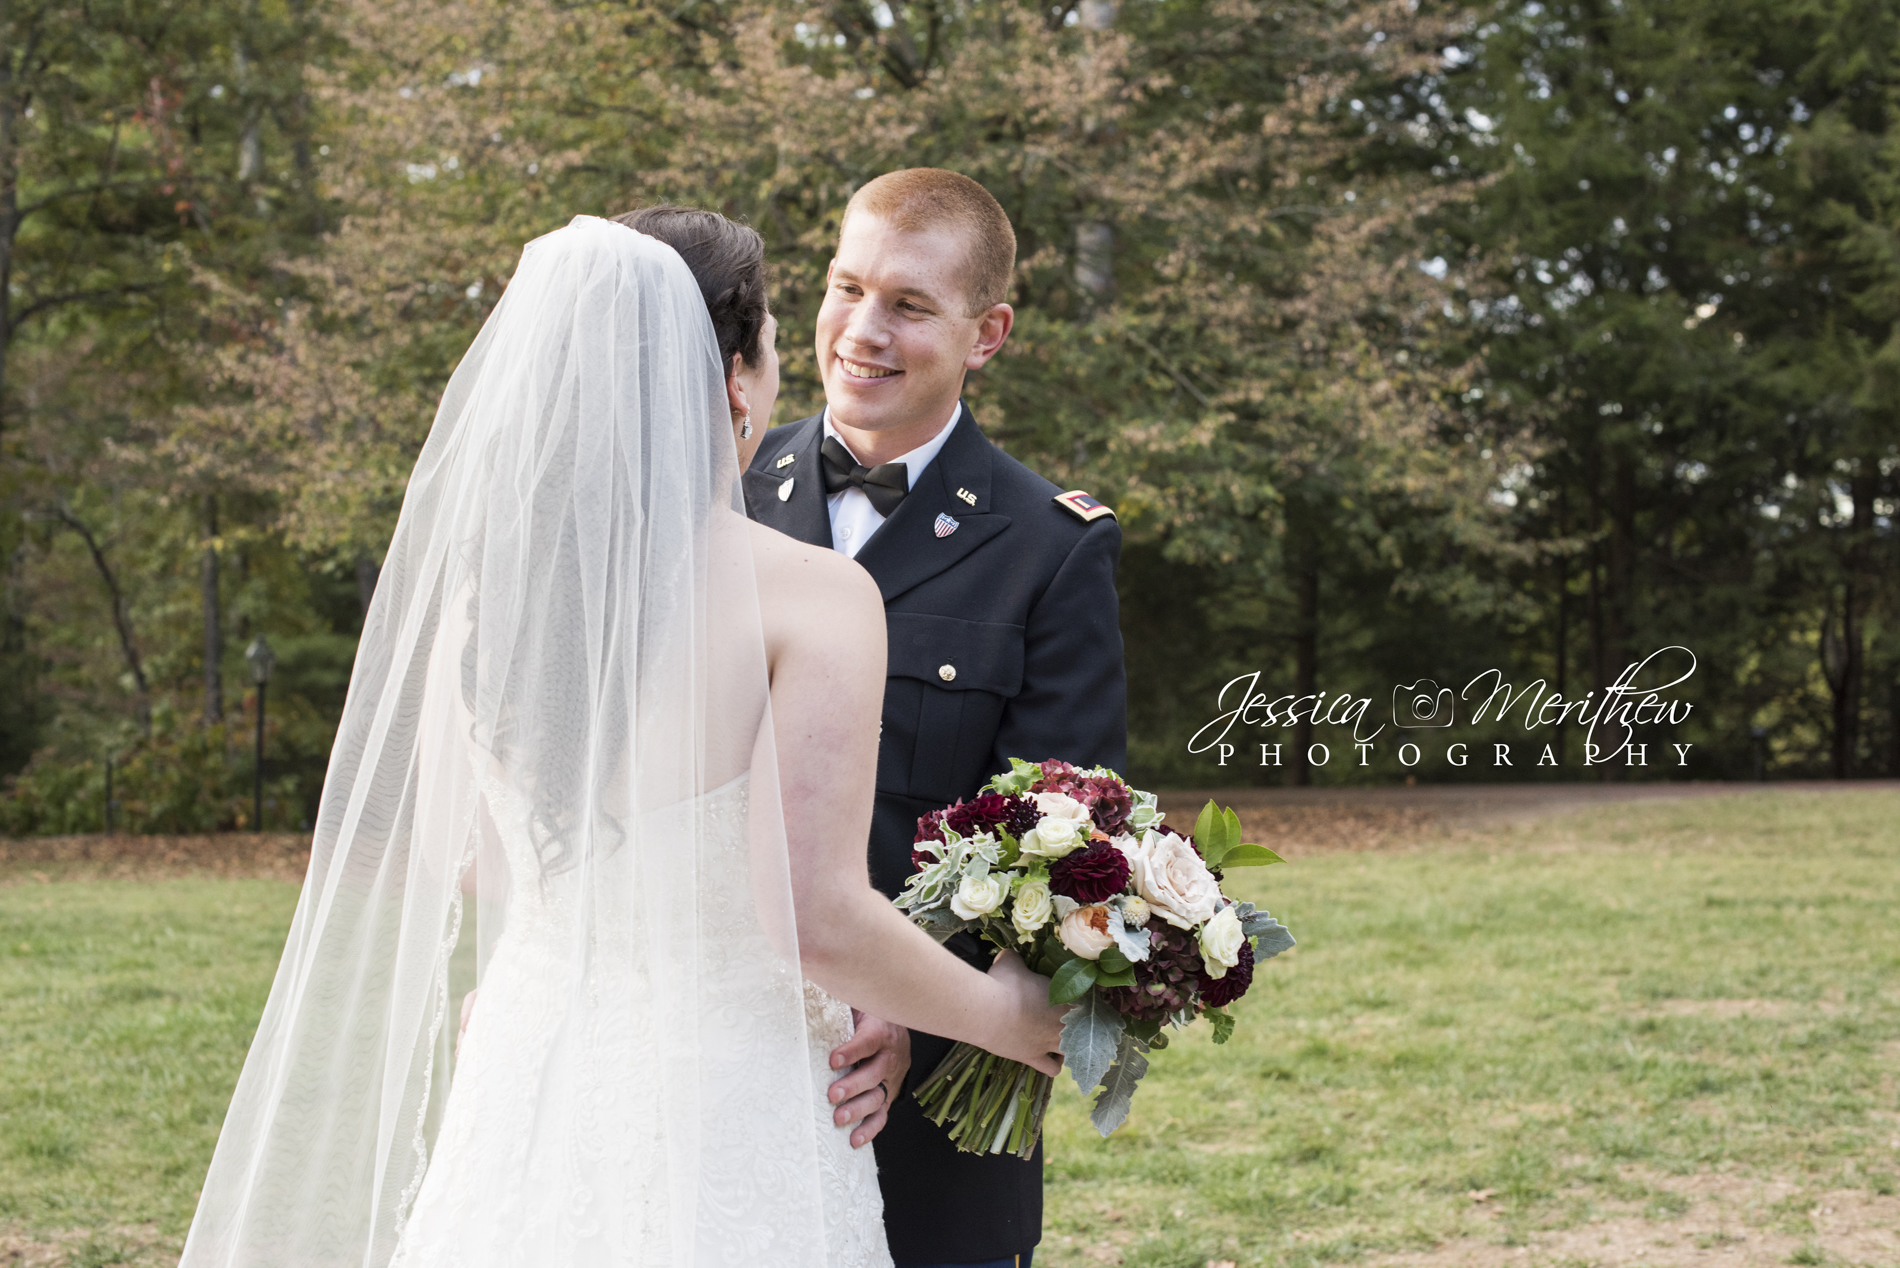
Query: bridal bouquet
x: 1076, y: 871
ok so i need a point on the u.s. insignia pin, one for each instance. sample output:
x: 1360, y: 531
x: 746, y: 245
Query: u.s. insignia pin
x: 967, y: 496
x: 945, y: 525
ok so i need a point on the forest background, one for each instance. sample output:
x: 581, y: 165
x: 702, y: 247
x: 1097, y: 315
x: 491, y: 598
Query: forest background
x: 1408, y: 340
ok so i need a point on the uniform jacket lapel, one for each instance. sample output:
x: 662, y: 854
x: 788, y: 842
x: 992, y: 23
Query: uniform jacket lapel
x: 802, y: 515
x: 906, y: 551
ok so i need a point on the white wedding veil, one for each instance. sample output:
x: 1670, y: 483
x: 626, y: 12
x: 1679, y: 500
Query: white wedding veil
x: 558, y: 706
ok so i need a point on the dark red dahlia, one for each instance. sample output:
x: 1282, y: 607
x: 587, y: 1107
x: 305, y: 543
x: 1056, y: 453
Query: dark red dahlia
x: 990, y: 812
x: 1092, y: 875
x: 1166, y: 981
x: 1222, y: 991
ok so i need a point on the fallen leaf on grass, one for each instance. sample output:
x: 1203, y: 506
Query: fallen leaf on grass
x: 1482, y: 1195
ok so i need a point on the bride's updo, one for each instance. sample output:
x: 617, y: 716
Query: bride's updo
x: 728, y: 261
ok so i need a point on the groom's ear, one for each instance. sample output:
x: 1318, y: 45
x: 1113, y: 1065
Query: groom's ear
x: 992, y: 328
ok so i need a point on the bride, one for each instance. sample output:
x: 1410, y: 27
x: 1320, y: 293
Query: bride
x: 619, y: 742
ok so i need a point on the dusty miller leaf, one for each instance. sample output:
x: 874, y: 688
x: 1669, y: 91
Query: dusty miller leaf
x: 1091, y: 1035
x: 1118, y: 1087
x: 940, y: 923
x: 1269, y: 935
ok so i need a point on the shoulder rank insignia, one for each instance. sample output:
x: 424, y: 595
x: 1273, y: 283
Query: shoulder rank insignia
x: 1082, y: 506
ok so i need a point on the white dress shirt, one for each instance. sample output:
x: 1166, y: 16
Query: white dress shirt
x: 853, y: 518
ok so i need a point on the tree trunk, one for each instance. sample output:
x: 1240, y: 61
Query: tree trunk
x: 1095, y: 239
x: 214, y: 624
x: 1843, y: 643
x: 1305, y: 653
x: 251, y: 137
x: 1842, y: 654
x: 1561, y: 679
x: 9, y: 215
x: 121, y: 619
x: 1893, y: 728
x: 1619, y: 602
x: 366, y: 573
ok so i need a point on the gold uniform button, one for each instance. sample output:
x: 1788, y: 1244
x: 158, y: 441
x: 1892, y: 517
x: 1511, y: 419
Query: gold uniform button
x: 947, y: 672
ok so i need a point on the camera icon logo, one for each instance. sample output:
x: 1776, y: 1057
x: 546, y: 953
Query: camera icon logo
x: 1421, y: 704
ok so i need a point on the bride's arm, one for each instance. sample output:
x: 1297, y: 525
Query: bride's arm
x: 828, y: 658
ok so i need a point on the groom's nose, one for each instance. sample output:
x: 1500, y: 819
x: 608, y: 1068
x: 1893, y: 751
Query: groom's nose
x: 868, y: 326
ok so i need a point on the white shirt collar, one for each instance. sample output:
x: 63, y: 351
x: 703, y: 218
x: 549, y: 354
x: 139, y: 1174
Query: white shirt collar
x: 917, y: 459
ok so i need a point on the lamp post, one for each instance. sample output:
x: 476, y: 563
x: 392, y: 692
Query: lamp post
x: 261, y: 659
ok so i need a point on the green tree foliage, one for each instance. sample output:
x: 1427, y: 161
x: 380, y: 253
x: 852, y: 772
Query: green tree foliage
x: 1687, y: 220
x: 1407, y: 340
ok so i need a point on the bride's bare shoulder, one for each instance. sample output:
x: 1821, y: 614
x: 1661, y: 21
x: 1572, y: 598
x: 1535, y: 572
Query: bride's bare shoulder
x: 796, y: 577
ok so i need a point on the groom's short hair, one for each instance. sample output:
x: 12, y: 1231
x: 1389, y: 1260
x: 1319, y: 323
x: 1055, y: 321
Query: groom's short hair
x: 919, y: 198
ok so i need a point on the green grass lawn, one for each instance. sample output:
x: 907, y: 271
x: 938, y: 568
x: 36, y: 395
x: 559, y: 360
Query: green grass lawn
x: 1547, y: 1012
x: 1565, y: 1015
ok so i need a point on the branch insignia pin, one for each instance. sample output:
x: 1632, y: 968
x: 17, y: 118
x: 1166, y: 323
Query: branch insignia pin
x: 785, y: 490
x: 945, y: 525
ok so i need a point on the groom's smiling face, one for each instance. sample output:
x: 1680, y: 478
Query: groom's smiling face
x: 896, y: 334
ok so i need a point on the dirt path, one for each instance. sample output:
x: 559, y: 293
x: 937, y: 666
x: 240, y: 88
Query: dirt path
x: 1293, y: 821
x: 1319, y: 820
x: 1723, y: 1221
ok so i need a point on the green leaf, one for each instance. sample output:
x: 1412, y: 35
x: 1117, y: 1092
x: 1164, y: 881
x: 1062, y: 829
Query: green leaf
x: 1071, y: 981
x: 1249, y: 856
x: 1206, y: 829
x: 1124, y: 978
x: 1010, y: 850
x: 1223, y: 1024
x: 1113, y: 961
x: 1052, y: 957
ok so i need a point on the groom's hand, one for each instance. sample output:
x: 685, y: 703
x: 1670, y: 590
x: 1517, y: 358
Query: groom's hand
x: 879, y: 1056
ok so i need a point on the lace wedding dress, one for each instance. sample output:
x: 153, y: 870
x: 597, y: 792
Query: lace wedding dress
x: 561, y: 679
x: 501, y: 1189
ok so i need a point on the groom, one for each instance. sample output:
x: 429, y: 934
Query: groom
x: 999, y: 595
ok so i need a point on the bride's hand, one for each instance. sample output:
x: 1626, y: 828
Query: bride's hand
x: 1031, y: 1029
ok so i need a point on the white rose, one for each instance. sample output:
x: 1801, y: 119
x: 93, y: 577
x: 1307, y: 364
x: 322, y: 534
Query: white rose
x: 1177, y: 885
x: 1054, y: 805
x: 1034, y: 906
x: 1221, y: 938
x: 980, y: 895
x: 1053, y: 837
x: 1085, y: 931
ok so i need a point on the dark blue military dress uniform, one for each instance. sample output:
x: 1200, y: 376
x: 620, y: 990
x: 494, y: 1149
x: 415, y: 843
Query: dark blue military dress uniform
x: 1004, y: 642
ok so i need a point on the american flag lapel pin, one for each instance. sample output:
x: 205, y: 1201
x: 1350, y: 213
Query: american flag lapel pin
x: 945, y: 525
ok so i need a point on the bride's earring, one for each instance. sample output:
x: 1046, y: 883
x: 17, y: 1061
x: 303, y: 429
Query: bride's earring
x: 745, y: 427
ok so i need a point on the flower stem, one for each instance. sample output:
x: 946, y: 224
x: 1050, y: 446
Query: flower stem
x: 992, y: 1105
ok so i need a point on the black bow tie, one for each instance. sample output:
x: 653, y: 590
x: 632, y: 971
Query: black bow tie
x: 885, y: 484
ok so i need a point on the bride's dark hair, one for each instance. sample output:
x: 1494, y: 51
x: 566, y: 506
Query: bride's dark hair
x: 728, y: 262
